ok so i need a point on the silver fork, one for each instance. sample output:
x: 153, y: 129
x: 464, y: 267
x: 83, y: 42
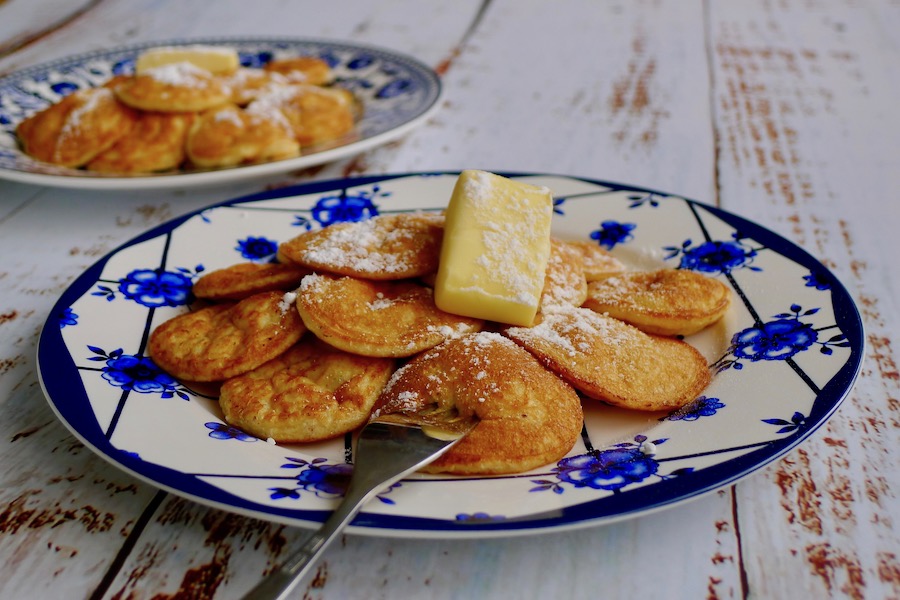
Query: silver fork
x: 388, y: 449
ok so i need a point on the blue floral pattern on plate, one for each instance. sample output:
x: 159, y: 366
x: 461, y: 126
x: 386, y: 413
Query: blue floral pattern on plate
x: 397, y: 92
x: 776, y: 378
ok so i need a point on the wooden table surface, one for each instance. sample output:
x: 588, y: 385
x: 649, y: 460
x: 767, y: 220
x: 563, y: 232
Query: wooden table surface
x: 783, y: 111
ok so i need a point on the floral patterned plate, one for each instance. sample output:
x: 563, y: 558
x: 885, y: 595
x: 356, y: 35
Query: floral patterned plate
x: 397, y: 92
x: 783, y: 359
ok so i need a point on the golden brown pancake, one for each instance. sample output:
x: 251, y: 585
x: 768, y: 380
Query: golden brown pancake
x: 311, y: 392
x: 177, y: 87
x: 77, y: 128
x: 247, y: 279
x: 155, y: 143
x: 664, y: 302
x: 612, y: 361
x: 598, y: 263
x: 528, y: 417
x: 564, y: 283
x: 230, y: 135
x: 385, y: 247
x: 225, y: 340
x: 247, y: 84
x: 376, y: 318
x: 316, y: 114
x: 302, y: 69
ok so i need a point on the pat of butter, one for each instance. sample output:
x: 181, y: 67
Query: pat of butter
x: 215, y: 59
x: 495, y: 250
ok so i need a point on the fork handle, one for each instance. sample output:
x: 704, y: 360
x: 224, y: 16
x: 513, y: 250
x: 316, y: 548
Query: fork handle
x: 277, y: 585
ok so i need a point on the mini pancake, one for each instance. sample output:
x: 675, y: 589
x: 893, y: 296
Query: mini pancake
x: 385, y: 247
x: 598, y: 263
x: 77, y: 128
x: 229, y: 135
x: 248, y: 84
x: 225, y: 340
x: 564, y: 283
x: 176, y: 87
x: 615, y: 362
x: 155, y: 143
x: 246, y: 279
x: 664, y: 302
x: 311, y: 392
x: 316, y: 114
x: 376, y: 318
x: 528, y: 417
x: 302, y: 69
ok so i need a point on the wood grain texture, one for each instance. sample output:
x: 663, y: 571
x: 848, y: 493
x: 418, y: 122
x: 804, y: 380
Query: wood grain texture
x: 23, y: 22
x: 781, y: 110
x: 803, y: 104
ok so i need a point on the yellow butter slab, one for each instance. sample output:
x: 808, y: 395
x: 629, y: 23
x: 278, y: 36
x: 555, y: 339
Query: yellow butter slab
x: 215, y: 59
x: 495, y: 250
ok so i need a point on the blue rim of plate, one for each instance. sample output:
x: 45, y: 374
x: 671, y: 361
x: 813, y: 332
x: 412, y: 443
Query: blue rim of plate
x: 61, y: 381
x: 398, y: 93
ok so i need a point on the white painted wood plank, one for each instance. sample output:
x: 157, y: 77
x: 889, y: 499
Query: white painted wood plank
x: 805, y: 103
x: 586, y: 88
x: 426, y: 31
x: 23, y: 21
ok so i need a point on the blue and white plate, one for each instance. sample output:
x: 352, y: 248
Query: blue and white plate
x: 783, y: 359
x: 397, y: 92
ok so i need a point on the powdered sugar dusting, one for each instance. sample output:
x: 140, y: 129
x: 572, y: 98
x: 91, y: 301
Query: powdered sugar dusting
x: 92, y: 100
x: 182, y: 74
x: 356, y: 246
x: 287, y: 301
x: 574, y: 329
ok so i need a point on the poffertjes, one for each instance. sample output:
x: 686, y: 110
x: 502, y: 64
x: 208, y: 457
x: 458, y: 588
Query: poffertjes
x: 247, y: 84
x: 311, y: 392
x: 564, y: 283
x: 225, y: 340
x: 302, y: 69
x: 528, y: 417
x: 155, y: 143
x: 664, y: 302
x: 598, y: 263
x: 77, y: 128
x: 177, y: 87
x: 316, y: 114
x: 246, y: 279
x: 613, y: 361
x: 376, y: 318
x: 385, y: 247
x: 229, y: 135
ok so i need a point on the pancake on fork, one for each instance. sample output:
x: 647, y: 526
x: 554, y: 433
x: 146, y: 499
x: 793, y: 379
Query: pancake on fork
x: 225, y: 340
x: 311, y: 392
x: 664, y: 302
x: 376, y: 318
x: 246, y: 279
x: 156, y: 143
x: 385, y: 247
x: 77, y: 128
x: 229, y: 135
x: 613, y: 361
x: 528, y: 417
x: 176, y: 87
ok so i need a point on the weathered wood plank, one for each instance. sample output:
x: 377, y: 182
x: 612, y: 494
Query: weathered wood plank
x: 804, y: 103
x: 25, y: 21
x: 781, y: 111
